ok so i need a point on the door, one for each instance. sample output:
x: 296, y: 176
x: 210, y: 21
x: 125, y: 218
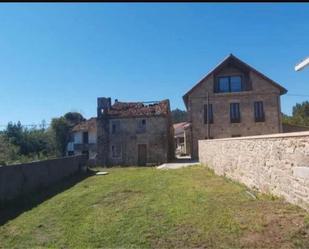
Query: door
x: 142, y: 154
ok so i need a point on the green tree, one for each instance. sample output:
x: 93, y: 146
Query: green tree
x: 62, y: 128
x: 179, y: 116
x: 30, y: 142
x: 8, y: 151
x: 300, y: 115
x: 74, y: 118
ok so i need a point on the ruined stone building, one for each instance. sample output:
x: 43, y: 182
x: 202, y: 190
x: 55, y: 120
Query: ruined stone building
x: 232, y: 100
x: 134, y: 133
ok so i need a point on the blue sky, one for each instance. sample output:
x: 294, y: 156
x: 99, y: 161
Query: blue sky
x: 57, y: 58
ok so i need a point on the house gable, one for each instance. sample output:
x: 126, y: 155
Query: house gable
x: 232, y: 65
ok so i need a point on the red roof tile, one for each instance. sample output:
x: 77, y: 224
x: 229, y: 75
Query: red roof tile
x: 133, y: 109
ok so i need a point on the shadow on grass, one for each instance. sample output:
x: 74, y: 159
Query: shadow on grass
x: 11, y: 209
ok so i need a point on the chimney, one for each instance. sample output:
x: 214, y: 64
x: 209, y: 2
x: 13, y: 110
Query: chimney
x: 104, y: 104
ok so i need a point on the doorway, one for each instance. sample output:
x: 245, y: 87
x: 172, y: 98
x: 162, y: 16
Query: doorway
x: 142, y: 154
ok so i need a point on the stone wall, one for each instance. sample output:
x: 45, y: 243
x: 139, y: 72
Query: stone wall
x: 156, y: 137
x: 19, y: 179
x: 276, y: 164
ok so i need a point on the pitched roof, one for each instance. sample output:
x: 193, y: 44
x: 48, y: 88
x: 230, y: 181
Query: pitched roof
x: 226, y: 60
x: 87, y: 125
x: 134, y: 109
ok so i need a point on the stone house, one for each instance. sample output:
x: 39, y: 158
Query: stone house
x: 84, y: 139
x: 233, y: 100
x: 134, y: 133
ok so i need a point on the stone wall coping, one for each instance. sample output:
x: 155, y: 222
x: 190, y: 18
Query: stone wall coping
x: 277, y: 135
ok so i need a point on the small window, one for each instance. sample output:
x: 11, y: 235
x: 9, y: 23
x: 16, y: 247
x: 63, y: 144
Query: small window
x: 115, y: 127
x: 259, y: 111
x: 116, y: 150
x: 208, y: 114
x: 234, y: 113
x: 235, y: 83
x: 141, y: 126
x: 224, y: 84
x: 70, y: 153
x: 85, y: 137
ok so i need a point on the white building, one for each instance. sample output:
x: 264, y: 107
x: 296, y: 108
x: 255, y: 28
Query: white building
x: 84, y: 139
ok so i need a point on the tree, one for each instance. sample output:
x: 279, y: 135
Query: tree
x: 14, y: 132
x: 62, y: 128
x: 29, y: 142
x: 74, y: 118
x: 300, y: 115
x: 8, y: 151
x: 179, y: 116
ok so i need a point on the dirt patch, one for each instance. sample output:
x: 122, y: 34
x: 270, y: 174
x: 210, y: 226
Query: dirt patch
x: 275, y: 229
x: 183, y: 236
x: 118, y: 198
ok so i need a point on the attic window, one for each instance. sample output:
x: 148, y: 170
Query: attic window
x: 229, y: 84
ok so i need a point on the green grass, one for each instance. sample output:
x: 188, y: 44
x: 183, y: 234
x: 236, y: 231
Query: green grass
x: 150, y: 208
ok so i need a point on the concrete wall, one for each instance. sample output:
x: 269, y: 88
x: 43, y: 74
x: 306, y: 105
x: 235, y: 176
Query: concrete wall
x: 277, y: 164
x: 262, y: 90
x: 19, y: 179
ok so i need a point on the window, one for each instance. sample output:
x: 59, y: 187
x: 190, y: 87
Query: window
x: 208, y: 114
x: 115, y: 127
x: 141, y: 126
x: 229, y: 84
x: 70, y: 153
x: 116, y: 150
x: 85, y: 137
x: 234, y: 113
x: 235, y: 83
x: 86, y: 152
x: 259, y: 111
x: 224, y: 85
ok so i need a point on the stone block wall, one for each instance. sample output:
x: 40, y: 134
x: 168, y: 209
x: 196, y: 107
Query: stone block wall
x: 221, y: 127
x: 19, y: 179
x: 276, y: 164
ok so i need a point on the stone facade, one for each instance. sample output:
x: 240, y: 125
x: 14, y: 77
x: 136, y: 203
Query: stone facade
x: 134, y: 133
x: 256, y: 87
x: 276, y: 164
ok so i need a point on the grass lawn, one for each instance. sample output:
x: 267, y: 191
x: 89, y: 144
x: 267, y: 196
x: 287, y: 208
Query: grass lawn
x: 151, y: 208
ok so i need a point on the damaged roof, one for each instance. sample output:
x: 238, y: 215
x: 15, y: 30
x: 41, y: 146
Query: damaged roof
x: 134, y: 109
x: 90, y: 124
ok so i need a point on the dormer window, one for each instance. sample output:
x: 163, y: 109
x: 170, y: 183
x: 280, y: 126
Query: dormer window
x: 227, y: 84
